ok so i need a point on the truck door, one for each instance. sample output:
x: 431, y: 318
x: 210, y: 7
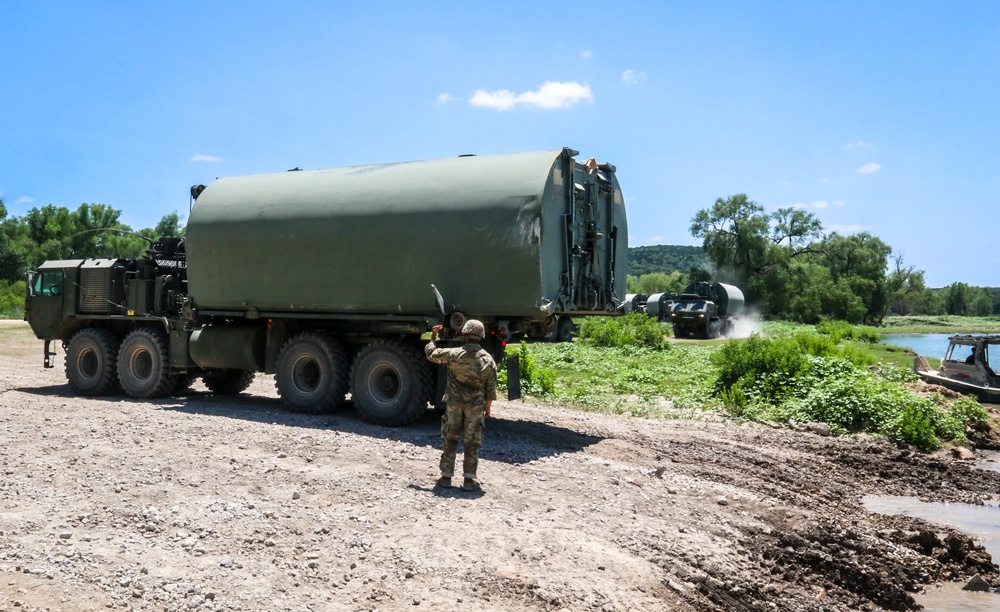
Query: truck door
x: 43, y: 305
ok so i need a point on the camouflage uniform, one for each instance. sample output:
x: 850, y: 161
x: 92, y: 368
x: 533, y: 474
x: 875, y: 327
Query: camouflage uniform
x: 472, y: 380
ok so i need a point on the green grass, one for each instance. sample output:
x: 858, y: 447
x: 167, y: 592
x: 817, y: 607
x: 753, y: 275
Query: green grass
x: 834, y: 372
x: 941, y: 324
x: 672, y: 383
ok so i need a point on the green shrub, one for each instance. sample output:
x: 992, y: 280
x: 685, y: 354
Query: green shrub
x: 842, y: 330
x: 806, y: 379
x: 763, y: 368
x: 12, y: 299
x: 632, y: 330
x: 535, y: 380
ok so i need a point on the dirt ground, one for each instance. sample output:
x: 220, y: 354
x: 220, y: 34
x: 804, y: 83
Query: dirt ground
x: 200, y: 502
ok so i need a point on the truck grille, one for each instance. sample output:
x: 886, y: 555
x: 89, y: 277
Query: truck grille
x: 95, y: 290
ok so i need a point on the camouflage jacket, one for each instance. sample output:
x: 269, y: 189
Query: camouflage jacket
x: 472, y: 373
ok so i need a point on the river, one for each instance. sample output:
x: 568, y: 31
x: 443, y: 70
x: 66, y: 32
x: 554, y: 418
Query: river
x: 928, y: 345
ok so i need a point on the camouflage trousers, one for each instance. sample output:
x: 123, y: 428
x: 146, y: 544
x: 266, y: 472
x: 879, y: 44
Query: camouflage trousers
x: 458, y: 419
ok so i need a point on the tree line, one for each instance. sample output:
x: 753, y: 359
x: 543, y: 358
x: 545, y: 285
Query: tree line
x: 790, y: 268
x: 56, y: 232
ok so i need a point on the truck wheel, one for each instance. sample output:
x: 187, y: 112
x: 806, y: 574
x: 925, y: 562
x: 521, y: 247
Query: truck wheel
x: 391, y: 383
x: 311, y: 373
x: 144, y: 364
x: 92, y: 362
x: 713, y: 329
x: 565, y: 329
x: 229, y: 382
x: 678, y: 331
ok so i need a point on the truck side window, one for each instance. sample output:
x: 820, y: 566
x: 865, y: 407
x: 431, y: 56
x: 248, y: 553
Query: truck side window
x: 48, y: 283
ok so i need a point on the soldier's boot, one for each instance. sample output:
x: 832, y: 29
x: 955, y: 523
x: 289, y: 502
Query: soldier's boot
x: 443, y: 482
x: 471, y: 484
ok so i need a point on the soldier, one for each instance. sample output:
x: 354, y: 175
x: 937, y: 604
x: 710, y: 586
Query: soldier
x: 471, y: 389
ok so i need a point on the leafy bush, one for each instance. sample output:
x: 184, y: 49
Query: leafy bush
x: 842, y: 330
x: 761, y: 368
x: 632, y: 330
x: 12, y: 299
x: 535, y: 380
x: 805, y: 379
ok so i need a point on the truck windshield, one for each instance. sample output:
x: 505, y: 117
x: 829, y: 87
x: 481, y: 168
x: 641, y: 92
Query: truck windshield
x: 47, y: 283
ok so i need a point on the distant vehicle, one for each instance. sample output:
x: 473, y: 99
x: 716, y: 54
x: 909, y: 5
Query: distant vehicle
x: 660, y: 305
x: 329, y: 278
x: 966, y: 367
x: 634, y: 302
x: 706, y: 310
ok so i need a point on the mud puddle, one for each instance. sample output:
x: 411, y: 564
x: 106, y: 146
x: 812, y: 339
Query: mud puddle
x: 980, y: 522
x: 989, y: 460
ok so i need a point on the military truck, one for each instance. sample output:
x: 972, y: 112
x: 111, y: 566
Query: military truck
x: 327, y: 279
x: 706, y: 310
x: 634, y: 302
x: 660, y: 305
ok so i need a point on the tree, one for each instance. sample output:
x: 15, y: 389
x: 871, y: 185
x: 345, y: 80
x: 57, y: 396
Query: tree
x: 169, y: 227
x: 734, y: 235
x: 12, y: 265
x: 758, y: 248
x: 956, y: 299
x: 860, y: 260
x: 981, y: 302
x: 902, y: 286
x: 657, y: 282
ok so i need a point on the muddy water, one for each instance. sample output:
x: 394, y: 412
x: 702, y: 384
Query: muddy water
x: 981, y: 522
x: 989, y: 460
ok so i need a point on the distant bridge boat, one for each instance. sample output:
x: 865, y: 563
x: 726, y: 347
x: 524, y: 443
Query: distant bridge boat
x: 966, y: 367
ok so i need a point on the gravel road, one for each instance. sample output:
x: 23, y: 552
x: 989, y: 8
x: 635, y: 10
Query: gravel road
x: 201, y: 502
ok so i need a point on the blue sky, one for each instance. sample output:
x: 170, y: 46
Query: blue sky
x: 876, y: 116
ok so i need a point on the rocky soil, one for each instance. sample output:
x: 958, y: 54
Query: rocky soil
x: 200, y: 502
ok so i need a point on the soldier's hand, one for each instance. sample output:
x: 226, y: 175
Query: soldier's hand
x: 434, y: 331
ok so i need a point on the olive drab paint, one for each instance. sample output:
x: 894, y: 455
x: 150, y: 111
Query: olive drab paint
x: 497, y: 235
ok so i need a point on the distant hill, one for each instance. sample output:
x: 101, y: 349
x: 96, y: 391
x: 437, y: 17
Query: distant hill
x: 665, y: 258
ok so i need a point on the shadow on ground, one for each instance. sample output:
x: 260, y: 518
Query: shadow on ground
x: 507, y: 440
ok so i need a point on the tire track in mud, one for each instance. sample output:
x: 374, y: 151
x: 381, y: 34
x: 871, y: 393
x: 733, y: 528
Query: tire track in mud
x: 804, y: 493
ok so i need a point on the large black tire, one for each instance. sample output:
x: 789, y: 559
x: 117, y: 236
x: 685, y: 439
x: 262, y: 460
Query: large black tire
x: 391, y: 383
x: 229, y: 382
x: 564, y: 329
x: 144, y: 364
x: 311, y: 374
x: 92, y: 362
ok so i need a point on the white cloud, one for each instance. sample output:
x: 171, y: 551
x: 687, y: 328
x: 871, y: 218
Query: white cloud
x: 549, y: 95
x: 655, y: 240
x: 586, y: 54
x: 206, y: 158
x: 857, y: 145
x: 820, y: 205
x: 825, y: 181
x: 840, y: 202
x: 870, y: 168
x: 445, y: 98
x: 632, y: 77
x: 24, y: 200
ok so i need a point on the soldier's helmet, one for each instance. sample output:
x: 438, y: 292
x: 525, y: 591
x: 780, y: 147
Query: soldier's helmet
x: 474, y: 329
